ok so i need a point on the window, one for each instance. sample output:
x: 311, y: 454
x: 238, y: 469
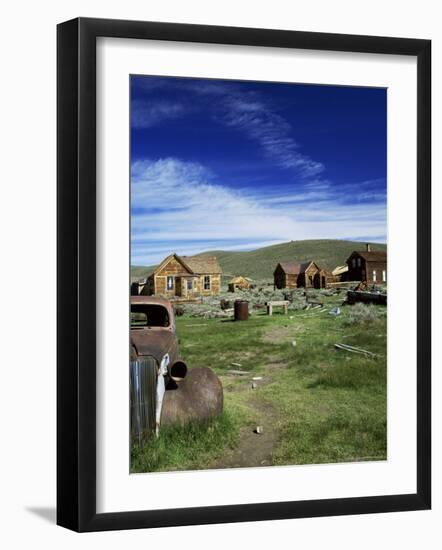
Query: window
x: 354, y: 262
x: 148, y: 315
x: 170, y: 283
x: 206, y: 282
x: 359, y: 262
x: 384, y: 275
x: 374, y: 276
x: 189, y: 284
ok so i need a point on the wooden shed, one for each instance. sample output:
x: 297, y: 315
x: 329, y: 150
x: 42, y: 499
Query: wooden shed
x: 240, y: 282
x: 296, y: 275
x: 185, y: 277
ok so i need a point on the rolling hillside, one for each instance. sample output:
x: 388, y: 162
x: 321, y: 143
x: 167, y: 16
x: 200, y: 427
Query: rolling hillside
x: 260, y: 263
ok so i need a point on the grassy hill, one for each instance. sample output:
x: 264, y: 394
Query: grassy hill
x: 260, y: 263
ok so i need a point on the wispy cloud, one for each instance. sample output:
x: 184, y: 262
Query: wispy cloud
x: 177, y: 205
x: 145, y: 114
x: 272, y: 132
x: 244, y: 111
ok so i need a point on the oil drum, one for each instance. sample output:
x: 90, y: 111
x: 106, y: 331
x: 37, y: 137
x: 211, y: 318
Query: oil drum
x: 241, y: 308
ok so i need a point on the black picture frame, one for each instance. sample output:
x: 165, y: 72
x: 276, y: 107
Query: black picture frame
x: 76, y: 274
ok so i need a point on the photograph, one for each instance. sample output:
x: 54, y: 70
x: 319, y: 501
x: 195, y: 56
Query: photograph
x: 258, y: 298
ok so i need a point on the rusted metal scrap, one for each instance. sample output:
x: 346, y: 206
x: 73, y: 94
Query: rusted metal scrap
x: 354, y: 296
x: 198, y: 397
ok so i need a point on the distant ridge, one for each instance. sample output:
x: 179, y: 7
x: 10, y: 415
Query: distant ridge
x: 260, y: 263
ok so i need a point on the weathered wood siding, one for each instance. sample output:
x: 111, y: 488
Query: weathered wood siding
x: 320, y: 279
x: 173, y: 267
x: 308, y: 277
x: 157, y: 283
x: 364, y: 270
x: 378, y: 268
x: 215, y: 284
x: 291, y: 281
x: 279, y: 277
x: 356, y: 268
x: 161, y: 286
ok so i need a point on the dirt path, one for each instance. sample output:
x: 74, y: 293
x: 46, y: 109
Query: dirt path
x: 253, y: 449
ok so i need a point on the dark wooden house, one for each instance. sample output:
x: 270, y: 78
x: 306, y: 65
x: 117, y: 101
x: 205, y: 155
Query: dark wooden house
x: 185, y: 277
x: 368, y: 265
x: 296, y: 275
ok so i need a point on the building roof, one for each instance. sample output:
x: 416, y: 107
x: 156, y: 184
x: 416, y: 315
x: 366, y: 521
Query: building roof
x: 202, y: 264
x: 191, y: 264
x: 179, y: 259
x: 338, y: 270
x: 239, y: 279
x: 294, y: 268
x: 372, y: 255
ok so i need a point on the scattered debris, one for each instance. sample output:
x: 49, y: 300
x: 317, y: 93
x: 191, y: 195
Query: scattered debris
x: 225, y: 304
x: 258, y: 430
x: 314, y: 304
x: 236, y: 364
x: 354, y: 296
x: 294, y: 343
x: 197, y: 325
x: 335, y: 311
x: 257, y: 378
x: 353, y: 349
x: 238, y: 372
x: 254, y: 385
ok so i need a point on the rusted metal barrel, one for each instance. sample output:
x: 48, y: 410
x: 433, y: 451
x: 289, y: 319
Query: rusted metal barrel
x: 241, y: 308
x: 143, y: 382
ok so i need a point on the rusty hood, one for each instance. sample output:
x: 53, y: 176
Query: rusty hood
x: 152, y: 341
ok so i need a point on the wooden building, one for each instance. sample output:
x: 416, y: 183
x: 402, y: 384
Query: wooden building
x: 340, y: 273
x: 296, y: 275
x: 240, y: 283
x: 368, y: 265
x: 185, y: 277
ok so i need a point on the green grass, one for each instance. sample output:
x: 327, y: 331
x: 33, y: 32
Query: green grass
x: 189, y: 447
x: 328, y: 405
x: 260, y: 264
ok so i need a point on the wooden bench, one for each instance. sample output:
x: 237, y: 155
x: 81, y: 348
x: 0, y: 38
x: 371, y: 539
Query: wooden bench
x: 281, y: 303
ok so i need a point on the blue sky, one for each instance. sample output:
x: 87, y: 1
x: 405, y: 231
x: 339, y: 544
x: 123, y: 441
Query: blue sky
x: 233, y: 165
